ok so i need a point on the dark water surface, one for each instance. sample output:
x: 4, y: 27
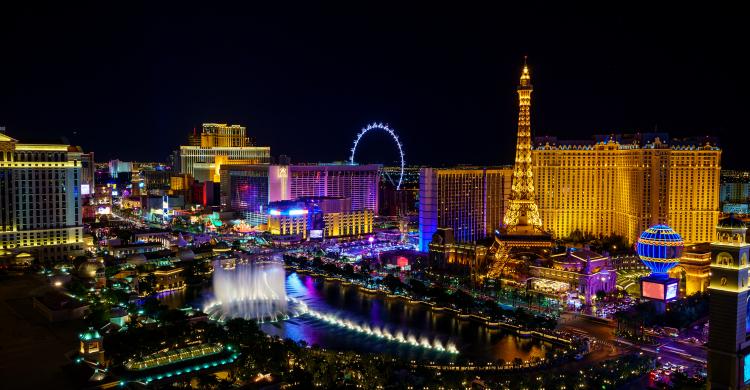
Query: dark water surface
x: 346, y: 302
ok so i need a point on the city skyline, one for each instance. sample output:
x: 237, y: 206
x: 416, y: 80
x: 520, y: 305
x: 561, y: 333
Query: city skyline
x: 365, y: 196
x: 282, y: 78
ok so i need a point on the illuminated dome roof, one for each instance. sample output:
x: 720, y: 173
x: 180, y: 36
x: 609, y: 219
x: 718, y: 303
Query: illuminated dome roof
x: 660, y: 248
x: 731, y: 222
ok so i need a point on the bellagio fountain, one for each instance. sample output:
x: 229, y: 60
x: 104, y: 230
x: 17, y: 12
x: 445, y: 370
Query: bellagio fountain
x: 250, y: 289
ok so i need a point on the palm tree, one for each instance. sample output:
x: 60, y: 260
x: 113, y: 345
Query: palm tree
x: 207, y: 381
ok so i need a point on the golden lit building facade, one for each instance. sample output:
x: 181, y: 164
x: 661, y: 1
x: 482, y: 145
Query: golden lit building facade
x: 288, y: 225
x: 353, y: 223
x: 220, y: 144
x: 288, y: 218
x: 40, y: 199
x: 694, y: 269
x: 622, y: 184
x: 447, y: 254
x: 729, y: 330
x: 169, y: 279
x: 221, y: 135
x: 180, y: 182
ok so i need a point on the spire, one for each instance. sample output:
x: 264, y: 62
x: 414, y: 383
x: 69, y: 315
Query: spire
x: 522, y: 209
x: 525, y: 76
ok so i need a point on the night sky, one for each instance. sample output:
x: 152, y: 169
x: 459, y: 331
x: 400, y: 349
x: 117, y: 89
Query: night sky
x: 132, y: 83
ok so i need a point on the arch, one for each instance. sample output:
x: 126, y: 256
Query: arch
x: 392, y: 133
x: 680, y: 273
x: 724, y: 258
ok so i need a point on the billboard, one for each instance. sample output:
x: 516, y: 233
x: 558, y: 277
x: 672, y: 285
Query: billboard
x: 660, y: 290
x: 671, y: 291
x: 652, y: 290
x: 316, y: 234
x: 85, y: 189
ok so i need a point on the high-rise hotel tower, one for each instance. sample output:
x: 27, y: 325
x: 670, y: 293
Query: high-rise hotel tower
x: 40, y: 199
x: 468, y: 200
x: 622, y: 184
x: 219, y: 144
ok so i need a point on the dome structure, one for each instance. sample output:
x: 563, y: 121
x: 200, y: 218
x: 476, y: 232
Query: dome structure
x: 660, y: 248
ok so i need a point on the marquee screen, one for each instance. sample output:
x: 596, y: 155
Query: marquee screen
x: 653, y: 290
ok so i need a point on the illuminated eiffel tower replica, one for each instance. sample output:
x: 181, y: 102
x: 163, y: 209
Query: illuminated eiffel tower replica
x: 522, y: 227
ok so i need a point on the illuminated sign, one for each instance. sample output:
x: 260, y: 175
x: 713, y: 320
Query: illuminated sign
x: 671, y: 291
x: 316, y: 233
x: 746, y: 368
x: 85, y: 189
x: 653, y: 290
x: 282, y: 173
x: 291, y: 212
x: 103, y: 210
x: 661, y: 290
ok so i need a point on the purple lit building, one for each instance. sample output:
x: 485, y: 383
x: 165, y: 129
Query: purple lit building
x: 356, y: 182
x: 245, y: 190
x: 580, y: 270
x: 248, y: 189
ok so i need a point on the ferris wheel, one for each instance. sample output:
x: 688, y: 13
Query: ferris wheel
x: 392, y: 133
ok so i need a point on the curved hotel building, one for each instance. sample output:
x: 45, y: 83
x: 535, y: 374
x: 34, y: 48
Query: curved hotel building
x: 40, y: 200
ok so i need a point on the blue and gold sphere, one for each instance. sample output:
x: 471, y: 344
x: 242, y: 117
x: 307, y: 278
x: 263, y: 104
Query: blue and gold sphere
x: 660, y: 248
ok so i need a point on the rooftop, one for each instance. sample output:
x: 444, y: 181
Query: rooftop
x: 58, y: 301
x: 630, y: 141
x: 731, y: 222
